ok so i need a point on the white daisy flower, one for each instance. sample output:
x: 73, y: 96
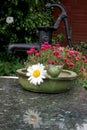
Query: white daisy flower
x: 36, y: 73
x: 32, y: 117
x: 9, y: 20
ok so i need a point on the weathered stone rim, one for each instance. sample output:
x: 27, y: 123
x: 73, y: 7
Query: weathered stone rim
x: 9, y: 77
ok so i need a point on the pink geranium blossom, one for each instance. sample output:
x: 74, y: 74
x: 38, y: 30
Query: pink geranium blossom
x: 82, y: 69
x: 32, y: 50
x: 71, y: 64
x: 37, y: 54
x: 61, y: 48
x: 55, y: 54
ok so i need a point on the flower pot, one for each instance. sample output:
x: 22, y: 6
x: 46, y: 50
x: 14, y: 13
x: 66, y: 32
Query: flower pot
x: 65, y: 81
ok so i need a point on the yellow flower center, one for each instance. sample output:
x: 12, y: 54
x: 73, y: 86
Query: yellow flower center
x: 36, y: 73
x: 33, y: 118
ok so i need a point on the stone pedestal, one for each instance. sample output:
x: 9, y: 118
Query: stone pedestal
x: 65, y: 111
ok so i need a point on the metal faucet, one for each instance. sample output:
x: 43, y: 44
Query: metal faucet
x: 62, y: 16
x: 45, y: 32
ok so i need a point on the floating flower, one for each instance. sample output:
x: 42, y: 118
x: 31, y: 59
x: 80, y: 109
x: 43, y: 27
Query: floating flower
x: 36, y: 73
x: 32, y: 117
x: 9, y: 20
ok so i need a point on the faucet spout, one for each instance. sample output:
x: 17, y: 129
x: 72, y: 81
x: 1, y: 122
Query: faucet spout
x: 21, y: 47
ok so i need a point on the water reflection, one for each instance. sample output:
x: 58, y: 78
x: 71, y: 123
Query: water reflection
x: 32, y: 117
x: 62, y: 120
x: 82, y: 127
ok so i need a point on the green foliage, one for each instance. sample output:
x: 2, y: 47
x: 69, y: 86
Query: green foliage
x: 82, y: 46
x: 84, y: 84
x: 27, y: 16
x: 9, y: 64
x: 58, y: 39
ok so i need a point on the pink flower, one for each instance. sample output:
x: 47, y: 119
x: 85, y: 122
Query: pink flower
x: 55, y: 52
x: 28, y: 52
x: 73, y: 54
x: 85, y: 61
x: 67, y: 63
x: 82, y: 69
x: 37, y: 54
x: 45, y: 46
x: 71, y: 64
x: 84, y: 57
x: 49, y: 61
x: 45, y: 43
x: 32, y: 50
x: 57, y: 45
x: 77, y: 52
x: 72, y: 51
x: 58, y: 56
x: 61, y: 48
x: 66, y: 59
x: 61, y: 63
x: 76, y: 58
x: 68, y: 55
x: 53, y: 61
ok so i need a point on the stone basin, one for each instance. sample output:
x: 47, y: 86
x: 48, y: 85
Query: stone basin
x: 62, y: 83
x: 64, y: 111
